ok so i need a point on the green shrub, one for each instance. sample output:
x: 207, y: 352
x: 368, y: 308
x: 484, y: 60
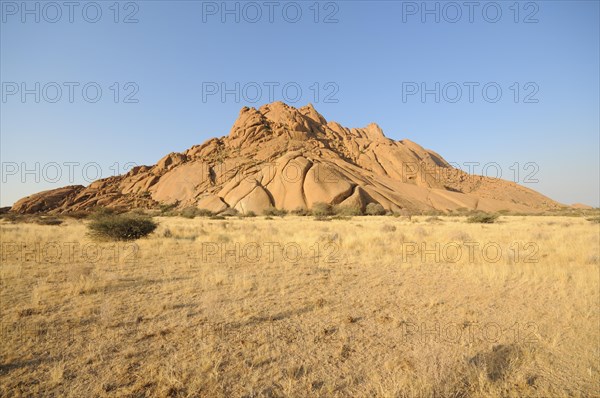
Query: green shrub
x: 217, y: 217
x: 121, y: 227
x: 249, y: 214
x: 374, y: 209
x: 483, y: 218
x: 204, y: 213
x: 321, y: 209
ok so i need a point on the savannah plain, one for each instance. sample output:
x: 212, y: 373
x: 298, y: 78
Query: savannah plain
x: 291, y: 306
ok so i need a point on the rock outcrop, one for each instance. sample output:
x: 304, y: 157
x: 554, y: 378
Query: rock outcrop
x: 288, y: 158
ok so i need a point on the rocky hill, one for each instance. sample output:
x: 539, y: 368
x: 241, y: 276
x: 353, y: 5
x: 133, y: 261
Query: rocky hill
x: 287, y: 158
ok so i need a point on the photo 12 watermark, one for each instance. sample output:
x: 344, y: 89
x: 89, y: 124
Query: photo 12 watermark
x: 252, y: 12
x: 61, y: 172
x: 468, y: 332
x: 90, y: 92
x: 254, y: 92
x: 53, y: 12
x: 472, y: 252
x: 470, y: 92
x: 266, y: 252
x: 471, y: 12
x: 471, y: 171
x: 68, y: 252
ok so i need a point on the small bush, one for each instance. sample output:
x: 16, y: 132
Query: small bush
x: 121, y: 227
x: 217, y: 217
x: 322, y: 218
x: 433, y: 213
x: 321, y: 209
x: 204, y: 213
x: 374, y: 209
x: 483, y: 218
x: 167, y: 208
x: 274, y: 212
x: 268, y: 218
x: 249, y: 214
x: 189, y: 212
x: 433, y: 219
x: 595, y: 220
x: 348, y: 211
x: 300, y: 212
x: 229, y: 212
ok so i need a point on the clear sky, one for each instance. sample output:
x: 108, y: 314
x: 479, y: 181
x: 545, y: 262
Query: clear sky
x: 162, y: 66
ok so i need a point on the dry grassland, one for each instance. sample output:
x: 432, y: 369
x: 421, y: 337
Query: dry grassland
x: 294, y: 307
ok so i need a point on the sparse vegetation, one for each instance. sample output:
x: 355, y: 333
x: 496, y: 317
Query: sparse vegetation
x: 229, y: 212
x: 483, y: 218
x: 189, y: 212
x: 167, y: 207
x: 274, y: 212
x: 341, y: 217
x: 49, y: 221
x: 192, y: 212
x: 375, y: 209
x: 186, y: 314
x: 347, y: 211
x: 388, y: 228
x: 321, y: 209
x: 204, y: 213
x: 300, y: 212
x: 78, y: 215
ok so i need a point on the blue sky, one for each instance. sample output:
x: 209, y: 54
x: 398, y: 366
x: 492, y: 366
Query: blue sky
x: 363, y: 63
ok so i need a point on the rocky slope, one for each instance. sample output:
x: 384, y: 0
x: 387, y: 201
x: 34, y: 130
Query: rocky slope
x: 288, y: 158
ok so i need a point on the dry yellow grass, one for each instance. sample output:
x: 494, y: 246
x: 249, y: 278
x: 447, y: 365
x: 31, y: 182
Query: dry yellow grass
x: 356, y: 308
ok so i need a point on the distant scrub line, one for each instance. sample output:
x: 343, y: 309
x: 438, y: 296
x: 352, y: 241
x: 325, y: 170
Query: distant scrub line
x: 122, y: 225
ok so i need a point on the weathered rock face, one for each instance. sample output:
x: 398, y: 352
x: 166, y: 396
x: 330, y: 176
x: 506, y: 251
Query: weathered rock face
x: 280, y: 156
